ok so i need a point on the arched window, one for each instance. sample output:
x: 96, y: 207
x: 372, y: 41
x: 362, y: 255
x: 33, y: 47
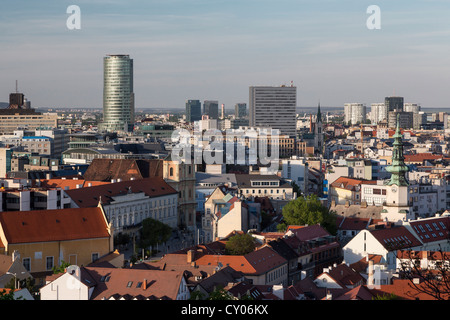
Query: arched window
x: 171, y: 172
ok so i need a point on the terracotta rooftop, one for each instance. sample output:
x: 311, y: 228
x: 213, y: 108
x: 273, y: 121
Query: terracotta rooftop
x: 430, y: 230
x: 124, y: 169
x: 395, y: 238
x: 53, y: 225
x: 90, y: 196
x: 405, y: 290
x: 133, y: 284
x: 345, y: 276
x: 350, y: 183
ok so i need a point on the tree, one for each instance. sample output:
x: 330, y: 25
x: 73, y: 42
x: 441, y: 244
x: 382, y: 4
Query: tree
x: 153, y: 232
x: 240, y: 244
x: 219, y: 294
x: 308, y: 210
x: 61, y: 268
x: 433, y: 281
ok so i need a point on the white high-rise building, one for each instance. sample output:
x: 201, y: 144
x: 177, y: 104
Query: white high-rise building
x: 411, y: 107
x: 378, y: 112
x: 355, y: 113
x: 273, y: 107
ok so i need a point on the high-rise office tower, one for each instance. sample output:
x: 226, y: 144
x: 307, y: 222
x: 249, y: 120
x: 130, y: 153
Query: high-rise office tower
x: 394, y: 103
x: 118, y: 95
x: 193, y: 110
x: 211, y: 109
x: 273, y: 107
x: 354, y: 113
x: 240, y: 110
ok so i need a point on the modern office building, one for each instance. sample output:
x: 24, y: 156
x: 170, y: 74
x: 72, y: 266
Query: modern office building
x: 193, y: 110
x: 404, y: 119
x: 211, y: 109
x: 118, y: 95
x: 355, y: 113
x: 394, y: 103
x: 273, y: 107
x: 240, y: 110
x: 13, y: 119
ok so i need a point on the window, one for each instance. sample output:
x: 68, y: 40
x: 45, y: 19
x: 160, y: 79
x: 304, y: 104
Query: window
x: 27, y: 263
x: 129, y: 284
x: 171, y: 172
x: 49, y: 263
x: 94, y: 257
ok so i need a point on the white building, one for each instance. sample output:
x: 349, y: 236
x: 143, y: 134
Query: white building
x: 354, y: 113
x: 295, y: 169
x: 127, y: 203
x: 95, y: 283
x: 378, y: 112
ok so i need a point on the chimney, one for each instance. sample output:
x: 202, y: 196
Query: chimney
x: 370, y: 279
x: 190, y: 256
x: 144, y: 284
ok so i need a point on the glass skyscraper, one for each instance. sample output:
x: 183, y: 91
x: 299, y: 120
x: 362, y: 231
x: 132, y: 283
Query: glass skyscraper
x: 193, y: 110
x: 118, y: 95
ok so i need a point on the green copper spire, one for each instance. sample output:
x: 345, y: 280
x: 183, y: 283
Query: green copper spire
x: 398, y: 169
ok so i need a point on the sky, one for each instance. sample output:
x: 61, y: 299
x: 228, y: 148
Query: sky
x: 215, y: 50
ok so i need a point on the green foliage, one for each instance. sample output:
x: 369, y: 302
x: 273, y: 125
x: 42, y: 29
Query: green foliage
x: 219, y: 294
x: 61, y: 268
x: 6, y: 296
x: 197, y: 295
x: 240, y: 244
x: 121, y: 239
x: 153, y: 232
x: 387, y: 296
x: 308, y: 210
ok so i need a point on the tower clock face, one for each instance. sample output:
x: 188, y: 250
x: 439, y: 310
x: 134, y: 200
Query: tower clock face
x: 394, y: 189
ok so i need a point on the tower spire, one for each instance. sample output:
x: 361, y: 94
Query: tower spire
x: 398, y: 169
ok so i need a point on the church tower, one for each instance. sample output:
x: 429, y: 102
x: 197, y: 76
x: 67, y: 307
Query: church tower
x: 318, y: 132
x: 397, y: 200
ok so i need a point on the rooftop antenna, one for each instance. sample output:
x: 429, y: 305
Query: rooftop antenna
x: 17, y: 86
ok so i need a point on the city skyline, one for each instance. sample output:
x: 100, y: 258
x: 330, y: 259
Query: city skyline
x: 216, y: 50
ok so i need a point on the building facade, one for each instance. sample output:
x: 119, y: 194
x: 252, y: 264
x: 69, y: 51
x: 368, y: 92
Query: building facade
x: 118, y: 95
x: 273, y: 107
x: 193, y: 110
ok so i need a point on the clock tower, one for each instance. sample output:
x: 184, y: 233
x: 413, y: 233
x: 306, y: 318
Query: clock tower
x: 397, y: 200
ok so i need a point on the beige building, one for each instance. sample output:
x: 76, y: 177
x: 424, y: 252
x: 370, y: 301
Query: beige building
x: 11, y: 120
x: 46, y: 238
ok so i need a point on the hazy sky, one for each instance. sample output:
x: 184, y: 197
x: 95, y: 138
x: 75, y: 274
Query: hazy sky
x: 215, y: 50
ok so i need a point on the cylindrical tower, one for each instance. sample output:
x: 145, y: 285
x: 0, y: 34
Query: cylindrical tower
x: 118, y: 95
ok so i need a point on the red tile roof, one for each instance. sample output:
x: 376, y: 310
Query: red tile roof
x: 395, y: 238
x: 350, y: 183
x: 89, y: 197
x: 345, y: 276
x: 124, y: 283
x: 420, y: 157
x: 254, y: 263
x: 404, y: 289
x: 430, y: 230
x: 310, y: 232
x: 349, y: 223
x: 53, y: 225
